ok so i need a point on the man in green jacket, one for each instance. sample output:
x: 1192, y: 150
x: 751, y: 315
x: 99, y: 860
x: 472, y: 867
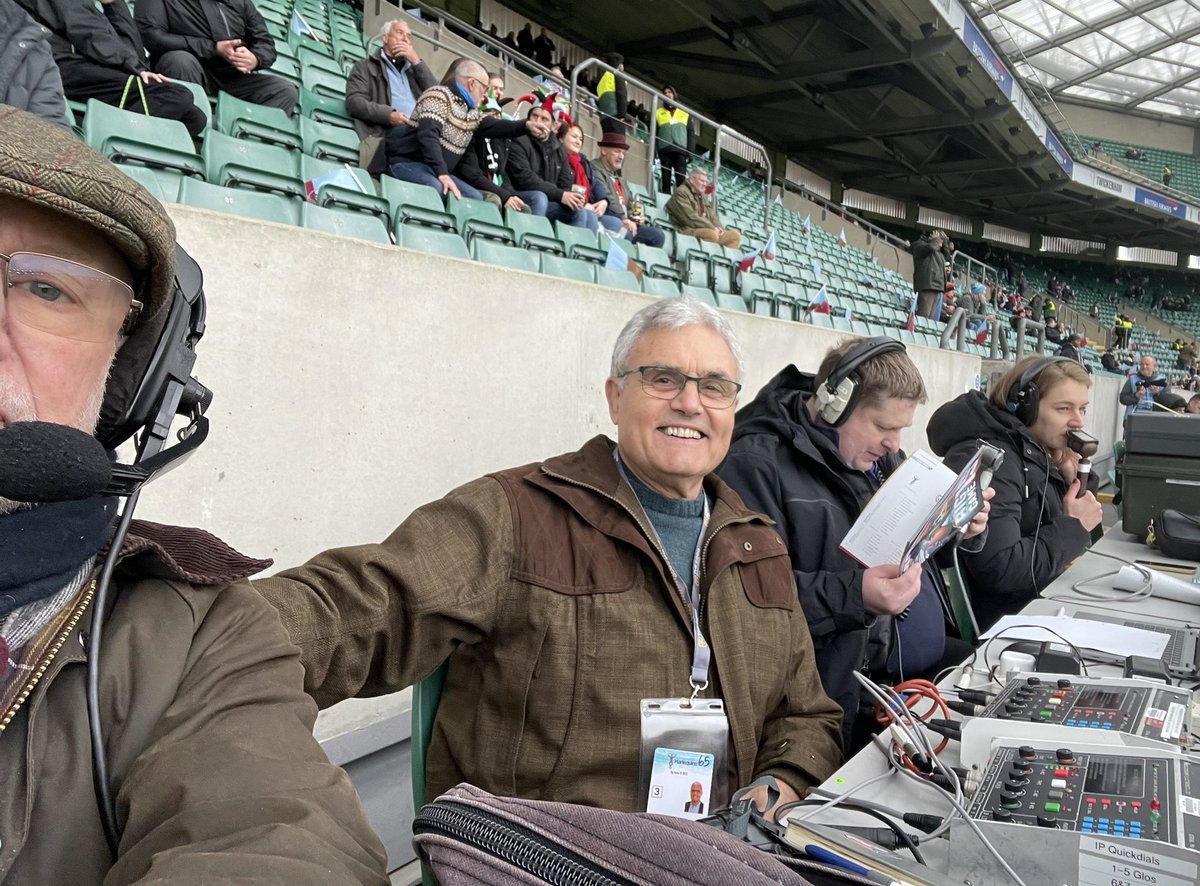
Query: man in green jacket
x: 212, y: 770
x: 692, y: 213
x: 563, y: 594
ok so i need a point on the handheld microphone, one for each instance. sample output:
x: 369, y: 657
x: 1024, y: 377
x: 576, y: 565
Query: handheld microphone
x: 1086, y: 445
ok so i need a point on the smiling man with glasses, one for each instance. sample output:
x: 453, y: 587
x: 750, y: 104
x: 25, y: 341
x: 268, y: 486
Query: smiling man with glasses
x: 568, y: 594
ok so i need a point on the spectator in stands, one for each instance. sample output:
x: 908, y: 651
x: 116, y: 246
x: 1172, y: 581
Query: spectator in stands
x: 621, y: 204
x: 1167, y: 175
x: 1053, y: 333
x: 543, y: 50
x: 1071, y: 348
x: 692, y: 213
x: 612, y: 96
x: 525, y: 40
x: 1094, y: 311
x: 930, y: 254
x: 1193, y: 405
x: 1049, y: 308
x: 1137, y: 394
x: 496, y: 90
x: 1109, y: 360
x: 812, y: 467
x: 595, y: 194
x: 510, y: 40
x: 225, y: 49
x: 1187, y: 355
x: 675, y: 141
x: 538, y: 165
x: 1037, y: 524
x: 428, y: 149
x: 382, y: 89
x: 99, y: 55
x: 553, y: 591
x: 484, y: 166
x: 213, y: 772
x: 29, y: 78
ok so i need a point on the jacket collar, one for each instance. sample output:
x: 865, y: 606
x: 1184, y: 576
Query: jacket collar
x: 594, y: 466
x: 182, y: 553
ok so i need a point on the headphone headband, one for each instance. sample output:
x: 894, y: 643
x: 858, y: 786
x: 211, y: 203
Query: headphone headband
x: 1023, y: 394
x: 839, y: 394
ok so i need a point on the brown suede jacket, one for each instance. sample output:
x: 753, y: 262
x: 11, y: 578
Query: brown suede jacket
x: 216, y: 774
x: 544, y: 589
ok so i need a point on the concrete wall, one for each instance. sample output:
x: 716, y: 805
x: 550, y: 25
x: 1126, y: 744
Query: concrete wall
x: 354, y: 382
x: 1164, y: 135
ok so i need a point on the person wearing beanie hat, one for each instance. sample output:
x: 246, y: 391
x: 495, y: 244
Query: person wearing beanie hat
x: 204, y: 768
x: 622, y: 206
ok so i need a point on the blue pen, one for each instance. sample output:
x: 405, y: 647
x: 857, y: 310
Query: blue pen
x: 820, y: 853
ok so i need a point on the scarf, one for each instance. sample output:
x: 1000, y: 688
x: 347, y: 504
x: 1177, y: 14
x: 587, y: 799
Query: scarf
x: 43, y: 547
x: 576, y: 161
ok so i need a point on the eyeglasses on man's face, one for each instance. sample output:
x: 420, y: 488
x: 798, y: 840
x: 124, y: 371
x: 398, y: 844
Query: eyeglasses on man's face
x: 666, y: 383
x: 65, y: 298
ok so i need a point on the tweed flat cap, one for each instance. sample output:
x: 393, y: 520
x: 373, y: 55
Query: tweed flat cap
x: 45, y: 165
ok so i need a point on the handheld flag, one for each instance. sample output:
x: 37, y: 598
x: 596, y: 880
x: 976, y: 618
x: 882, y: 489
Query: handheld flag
x: 841, y: 240
x: 779, y: 199
x: 769, y: 250
x: 338, y: 178
x: 820, y: 304
x: 618, y: 260
x: 911, y: 325
x: 747, y: 261
x: 816, y: 267
x: 301, y: 28
x: 806, y: 225
x: 849, y: 314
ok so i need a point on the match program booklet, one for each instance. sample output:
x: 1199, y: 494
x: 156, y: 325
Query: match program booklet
x: 925, y: 494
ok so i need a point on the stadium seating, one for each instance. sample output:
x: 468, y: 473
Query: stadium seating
x: 127, y: 137
x: 240, y: 201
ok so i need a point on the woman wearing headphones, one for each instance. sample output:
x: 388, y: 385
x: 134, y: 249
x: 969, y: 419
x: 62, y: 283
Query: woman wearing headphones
x: 1039, y: 522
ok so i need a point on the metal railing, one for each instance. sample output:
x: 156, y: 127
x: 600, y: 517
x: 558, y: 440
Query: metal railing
x: 655, y: 98
x: 440, y: 20
x: 975, y: 269
x: 957, y: 327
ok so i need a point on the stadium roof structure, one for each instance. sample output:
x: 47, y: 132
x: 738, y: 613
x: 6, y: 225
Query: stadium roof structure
x: 879, y: 95
x: 1141, y: 55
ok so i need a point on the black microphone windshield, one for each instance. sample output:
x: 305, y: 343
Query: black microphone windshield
x: 41, y: 462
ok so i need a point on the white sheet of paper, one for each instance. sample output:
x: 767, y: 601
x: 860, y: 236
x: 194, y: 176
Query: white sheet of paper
x: 1112, y: 638
x: 895, y: 512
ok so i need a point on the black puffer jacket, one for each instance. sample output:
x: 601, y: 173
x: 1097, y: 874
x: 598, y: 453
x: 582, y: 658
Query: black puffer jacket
x: 1030, y: 539
x: 29, y: 78
x: 536, y: 165
x: 783, y: 467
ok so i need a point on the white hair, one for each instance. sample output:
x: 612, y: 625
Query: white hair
x: 672, y: 313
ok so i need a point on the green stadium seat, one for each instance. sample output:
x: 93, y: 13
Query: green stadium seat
x: 495, y: 253
x: 241, y: 163
x: 347, y: 50
x: 242, y: 119
x: 361, y: 199
x: 327, y: 142
x: 319, y: 61
x: 322, y: 82
x: 128, y: 137
x: 660, y: 286
x: 162, y: 183
x: 425, y: 239
x: 580, y: 243
x: 816, y: 318
x: 346, y: 224
x: 478, y: 218
x: 568, y: 268
x: 416, y: 204
x: 287, y: 68
x: 730, y: 302
x: 240, y: 201
x: 533, y: 232
x: 200, y: 98
x: 325, y: 109
x: 723, y: 262
x: 700, y: 293
x: 617, y: 279
x: 656, y: 262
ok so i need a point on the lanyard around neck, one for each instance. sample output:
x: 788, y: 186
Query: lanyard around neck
x: 701, y: 651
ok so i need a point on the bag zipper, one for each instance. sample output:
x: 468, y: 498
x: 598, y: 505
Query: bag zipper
x: 521, y: 847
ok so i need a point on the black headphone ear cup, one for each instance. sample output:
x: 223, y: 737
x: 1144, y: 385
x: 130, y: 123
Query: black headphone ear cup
x: 1027, y: 404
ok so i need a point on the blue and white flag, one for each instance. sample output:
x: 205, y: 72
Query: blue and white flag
x: 339, y: 178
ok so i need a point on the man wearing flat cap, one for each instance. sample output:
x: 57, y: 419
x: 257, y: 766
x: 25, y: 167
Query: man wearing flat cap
x: 206, y: 770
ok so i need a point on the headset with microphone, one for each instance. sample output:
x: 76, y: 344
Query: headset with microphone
x: 149, y: 384
x: 838, y: 396
x: 1023, y: 397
